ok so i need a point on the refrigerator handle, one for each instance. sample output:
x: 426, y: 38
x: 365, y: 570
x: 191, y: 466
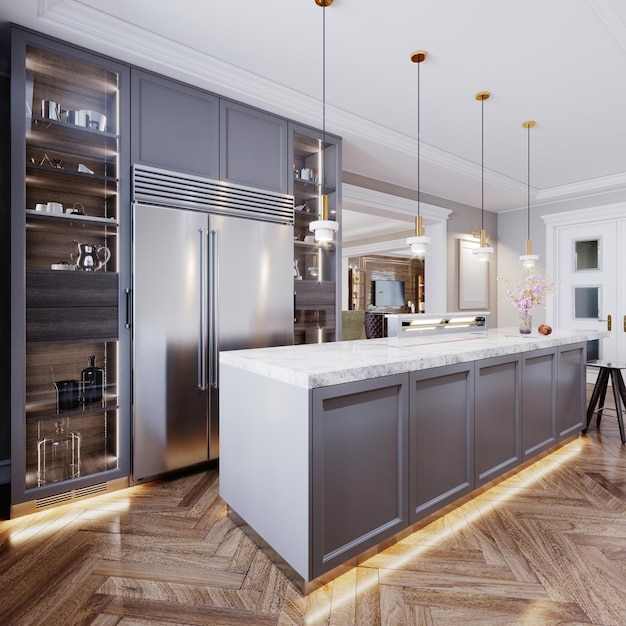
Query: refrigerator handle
x: 213, y: 310
x: 129, y: 315
x: 202, y: 338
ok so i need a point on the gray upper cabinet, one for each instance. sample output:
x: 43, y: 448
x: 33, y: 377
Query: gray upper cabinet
x: 174, y: 126
x: 253, y: 147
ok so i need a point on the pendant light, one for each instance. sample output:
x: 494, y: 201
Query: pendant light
x: 484, y: 251
x: 528, y: 259
x: 323, y: 228
x: 419, y: 243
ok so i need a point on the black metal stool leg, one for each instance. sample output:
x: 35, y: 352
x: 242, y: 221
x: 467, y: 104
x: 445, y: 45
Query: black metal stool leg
x: 600, y: 409
x: 599, y: 389
x: 619, y: 393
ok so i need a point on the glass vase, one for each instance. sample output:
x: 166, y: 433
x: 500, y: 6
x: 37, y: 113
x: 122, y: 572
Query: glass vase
x: 525, y: 322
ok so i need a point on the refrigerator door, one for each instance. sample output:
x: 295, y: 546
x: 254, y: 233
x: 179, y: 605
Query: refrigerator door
x: 252, y: 292
x: 170, y: 340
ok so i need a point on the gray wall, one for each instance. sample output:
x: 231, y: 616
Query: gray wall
x: 463, y: 220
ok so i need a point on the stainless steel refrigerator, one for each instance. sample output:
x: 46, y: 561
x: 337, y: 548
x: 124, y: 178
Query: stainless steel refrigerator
x: 211, y: 272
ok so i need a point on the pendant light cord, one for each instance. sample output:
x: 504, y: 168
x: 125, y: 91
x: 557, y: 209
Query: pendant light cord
x: 418, y: 139
x: 528, y: 188
x: 322, y: 159
x: 482, y: 165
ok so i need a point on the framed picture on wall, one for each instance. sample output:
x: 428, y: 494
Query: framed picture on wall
x: 473, y: 277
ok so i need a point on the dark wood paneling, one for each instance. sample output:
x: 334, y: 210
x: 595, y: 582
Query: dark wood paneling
x: 376, y: 267
x: 314, y: 304
x: 71, y: 324
x: 56, y: 289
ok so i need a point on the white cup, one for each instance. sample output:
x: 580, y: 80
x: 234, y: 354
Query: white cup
x: 41, y: 207
x: 54, y: 207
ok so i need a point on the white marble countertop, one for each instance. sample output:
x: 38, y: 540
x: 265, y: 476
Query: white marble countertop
x: 323, y: 364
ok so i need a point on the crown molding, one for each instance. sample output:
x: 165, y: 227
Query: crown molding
x: 592, y: 186
x: 384, y: 203
x: 599, y: 214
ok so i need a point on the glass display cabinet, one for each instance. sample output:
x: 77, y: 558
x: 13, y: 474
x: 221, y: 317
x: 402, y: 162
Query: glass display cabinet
x: 315, y: 264
x: 68, y: 431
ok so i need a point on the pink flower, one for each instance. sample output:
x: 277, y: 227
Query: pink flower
x: 528, y: 292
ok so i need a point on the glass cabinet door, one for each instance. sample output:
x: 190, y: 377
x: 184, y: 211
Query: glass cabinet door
x: 66, y: 218
x: 315, y: 264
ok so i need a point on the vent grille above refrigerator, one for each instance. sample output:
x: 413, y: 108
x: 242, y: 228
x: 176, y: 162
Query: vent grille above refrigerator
x: 173, y: 189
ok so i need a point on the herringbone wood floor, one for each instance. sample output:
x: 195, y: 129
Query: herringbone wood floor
x: 547, y: 546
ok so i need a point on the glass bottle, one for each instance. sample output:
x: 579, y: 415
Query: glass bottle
x: 92, y: 382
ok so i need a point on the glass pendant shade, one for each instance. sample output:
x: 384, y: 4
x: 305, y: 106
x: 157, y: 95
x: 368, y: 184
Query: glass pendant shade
x: 324, y: 230
x: 419, y: 245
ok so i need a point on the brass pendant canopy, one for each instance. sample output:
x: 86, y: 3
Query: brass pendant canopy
x: 418, y: 56
x: 323, y: 3
x: 483, y: 95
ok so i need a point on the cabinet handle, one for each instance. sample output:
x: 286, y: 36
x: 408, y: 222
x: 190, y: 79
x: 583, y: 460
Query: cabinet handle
x: 609, y: 324
x: 625, y: 323
x: 129, y: 309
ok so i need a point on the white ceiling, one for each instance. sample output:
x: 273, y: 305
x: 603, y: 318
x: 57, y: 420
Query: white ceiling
x: 559, y: 62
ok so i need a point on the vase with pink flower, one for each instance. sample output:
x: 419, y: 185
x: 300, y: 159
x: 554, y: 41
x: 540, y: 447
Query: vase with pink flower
x: 527, y: 293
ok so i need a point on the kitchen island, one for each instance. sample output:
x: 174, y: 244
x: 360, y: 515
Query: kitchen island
x: 329, y: 452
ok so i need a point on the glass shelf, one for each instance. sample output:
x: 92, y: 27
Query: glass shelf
x: 88, y: 219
